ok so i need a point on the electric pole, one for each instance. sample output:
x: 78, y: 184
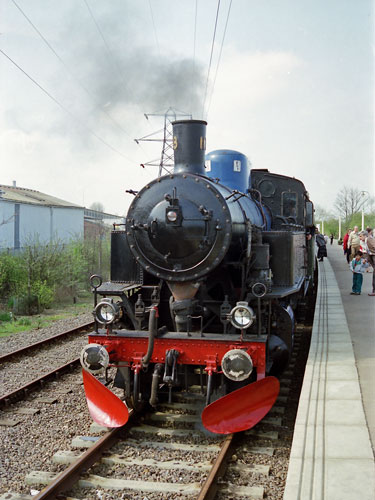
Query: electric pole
x: 165, y: 136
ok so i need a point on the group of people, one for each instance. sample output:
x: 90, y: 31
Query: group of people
x: 359, y: 248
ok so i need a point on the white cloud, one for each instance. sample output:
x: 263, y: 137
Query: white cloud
x: 249, y: 88
x: 253, y: 77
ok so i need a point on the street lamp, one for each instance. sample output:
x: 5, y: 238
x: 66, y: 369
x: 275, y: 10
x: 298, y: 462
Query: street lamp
x: 363, y: 193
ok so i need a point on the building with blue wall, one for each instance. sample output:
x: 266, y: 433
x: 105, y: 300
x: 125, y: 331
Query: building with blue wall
x: 28, y: 216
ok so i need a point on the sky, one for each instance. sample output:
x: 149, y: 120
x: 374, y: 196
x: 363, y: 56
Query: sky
x: 291, y: 85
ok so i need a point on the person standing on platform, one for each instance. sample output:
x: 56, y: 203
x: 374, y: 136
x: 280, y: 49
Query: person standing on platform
x: 354, y: 242
x: 331, y: 238
x: 363, y: 245
x: 345, y: 245
x: 358, y: 266
x: 370, y: 242
x: 322, y: 248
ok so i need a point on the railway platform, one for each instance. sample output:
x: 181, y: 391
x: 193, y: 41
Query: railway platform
x: 332, y: 455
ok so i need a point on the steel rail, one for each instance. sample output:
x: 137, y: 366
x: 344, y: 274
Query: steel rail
x: 48, y: 340
x: 70, y: 475
x: 209, y: 488
x: 22, y: 392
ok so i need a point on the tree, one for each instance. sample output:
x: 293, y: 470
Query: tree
x: 370, y: 204
x: 349, y: 201
x: 321, y: 213
x: 99, y: 207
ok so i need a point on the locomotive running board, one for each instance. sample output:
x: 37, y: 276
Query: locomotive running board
x: 105, y: 408
x: 241, y: 409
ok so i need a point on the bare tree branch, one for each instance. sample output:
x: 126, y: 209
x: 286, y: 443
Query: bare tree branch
x: 349, y: 201
x: 321, y: 213
x: 99, y: 207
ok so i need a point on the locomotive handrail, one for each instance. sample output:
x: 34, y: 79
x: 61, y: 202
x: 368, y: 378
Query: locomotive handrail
x: 233, y: 193
x: 259, y: 202
x: 151, y: 337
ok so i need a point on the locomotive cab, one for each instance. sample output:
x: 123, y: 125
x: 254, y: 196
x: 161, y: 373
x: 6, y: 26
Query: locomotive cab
x: 286, y: 198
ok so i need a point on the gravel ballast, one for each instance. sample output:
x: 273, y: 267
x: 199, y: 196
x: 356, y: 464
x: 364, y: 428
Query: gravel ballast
x: 31, y: 443
x: 24, y: 369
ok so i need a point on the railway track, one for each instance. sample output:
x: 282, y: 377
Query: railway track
x: 169, y: 455
x: 49, y: 340
x: 14, y: 361
x: 24, y: 391
x: 189, y: 458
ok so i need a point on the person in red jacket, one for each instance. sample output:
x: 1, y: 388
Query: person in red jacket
x: 345, y: 245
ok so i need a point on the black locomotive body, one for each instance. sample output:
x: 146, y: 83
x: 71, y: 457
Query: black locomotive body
x: 205, y: 283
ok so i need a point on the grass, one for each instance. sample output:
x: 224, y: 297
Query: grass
x: 10, y: 324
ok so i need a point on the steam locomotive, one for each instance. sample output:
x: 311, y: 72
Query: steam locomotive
x: 207, y: 275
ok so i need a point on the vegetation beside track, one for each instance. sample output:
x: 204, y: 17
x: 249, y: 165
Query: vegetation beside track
x: 10, y: 324
x: 40, y: 276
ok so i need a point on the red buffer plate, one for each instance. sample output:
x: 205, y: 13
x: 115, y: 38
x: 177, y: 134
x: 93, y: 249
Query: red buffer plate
x: 105, y: 407
x: 241, y: 409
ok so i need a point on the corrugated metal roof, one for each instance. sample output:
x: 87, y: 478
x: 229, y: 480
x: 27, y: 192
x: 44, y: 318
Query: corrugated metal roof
x: 23, y: 195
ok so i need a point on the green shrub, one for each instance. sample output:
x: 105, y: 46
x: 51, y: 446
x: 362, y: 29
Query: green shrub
x: 24, y: 321
x: 26, y: 304
x: 11, y: 274
x: 6, y: 316
x: 31, y: 280
x: 44, y: 293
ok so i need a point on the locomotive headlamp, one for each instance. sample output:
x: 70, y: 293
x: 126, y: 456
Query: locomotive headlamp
x: 237, y: 365
x: 107, y: 311
x: 94, y: 358
x: 242, y: 316
x: 172, y: 216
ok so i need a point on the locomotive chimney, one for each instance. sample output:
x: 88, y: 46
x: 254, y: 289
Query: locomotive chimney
x: 189, y: 144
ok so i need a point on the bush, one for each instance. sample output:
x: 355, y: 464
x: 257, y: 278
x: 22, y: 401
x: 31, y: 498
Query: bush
x: 24, y: 321
x: 26, y: 304
x: 31, y: 280
x: 6, y: 316
x: 11, y: 274
x: 44, y: 293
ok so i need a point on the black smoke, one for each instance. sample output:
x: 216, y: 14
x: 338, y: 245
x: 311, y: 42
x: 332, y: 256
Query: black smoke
x: 120, y: 69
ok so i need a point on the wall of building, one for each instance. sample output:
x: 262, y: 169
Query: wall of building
x: 68, y: 222
x: 6, y: 224
x: 31, y: 222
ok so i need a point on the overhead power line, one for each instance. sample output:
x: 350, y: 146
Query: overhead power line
x: 195, y: 39
x: 70, y: 72
x: 212, y: 50
x: 104, y: 39
x: 155, y: 32
x: 66, y: 109
x: 219, y: 59
x: 111, y: 55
